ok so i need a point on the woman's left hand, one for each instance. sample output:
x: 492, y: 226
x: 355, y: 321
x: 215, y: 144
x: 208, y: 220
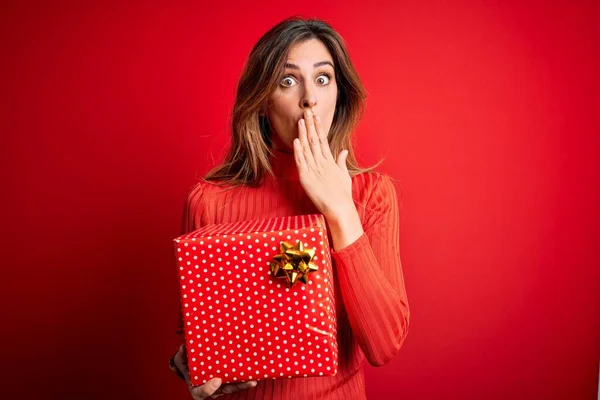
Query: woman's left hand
x: 325, y: 179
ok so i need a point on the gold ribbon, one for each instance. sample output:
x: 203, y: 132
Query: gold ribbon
x: 294, y: 263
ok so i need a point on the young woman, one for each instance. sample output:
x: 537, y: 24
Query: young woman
x: 298, y: 102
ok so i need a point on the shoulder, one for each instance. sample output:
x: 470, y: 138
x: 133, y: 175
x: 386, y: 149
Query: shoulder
x: 206, y: 192
x: 195, y: 193
x: 367, y: 184
x: 376, y: 198
x: 200, y: 198
x: 374, y: 194
x: 203, y: 186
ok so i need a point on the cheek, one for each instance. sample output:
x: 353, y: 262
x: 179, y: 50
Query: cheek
x: 331, y: 101
x: 331, y: 109
x: 280, y: 108
x: 280, y: 119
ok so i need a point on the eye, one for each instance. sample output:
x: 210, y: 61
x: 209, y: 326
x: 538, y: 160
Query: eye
x: 324, y: 79
x: 287, y: 81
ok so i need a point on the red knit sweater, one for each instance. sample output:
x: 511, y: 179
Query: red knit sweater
x: 371, y: 304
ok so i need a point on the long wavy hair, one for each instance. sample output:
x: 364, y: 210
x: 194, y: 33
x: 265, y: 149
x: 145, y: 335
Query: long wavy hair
x: 247, y: 160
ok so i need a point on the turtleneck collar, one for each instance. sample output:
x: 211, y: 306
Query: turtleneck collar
x: 284, y: 165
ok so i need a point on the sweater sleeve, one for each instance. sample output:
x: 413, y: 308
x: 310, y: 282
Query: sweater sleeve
x: 191, y: 220
x: 371, y: 281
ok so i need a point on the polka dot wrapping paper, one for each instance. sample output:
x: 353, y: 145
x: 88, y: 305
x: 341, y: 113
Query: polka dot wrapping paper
x: 241, y: 321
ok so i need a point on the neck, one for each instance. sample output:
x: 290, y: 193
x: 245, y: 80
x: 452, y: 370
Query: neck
x: 283, y: 164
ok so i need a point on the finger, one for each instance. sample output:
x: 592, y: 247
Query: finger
x: 206, y: 390
x: 180, y: 358
x: 172, y: 365
x: 299, y: 155
x: 174, y: 368
x: 325, y: 149
x: 247, y: 385
x: 230, y: 389
x: 180, y: 361
x: 341, y: 160
x: 306, y: 151
x: 313, y: 138
x: 234, y: 387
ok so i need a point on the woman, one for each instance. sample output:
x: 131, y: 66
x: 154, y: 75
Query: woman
x: 298, y: 101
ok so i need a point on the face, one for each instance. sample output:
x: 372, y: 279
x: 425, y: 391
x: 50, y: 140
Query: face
x: 308, y: 82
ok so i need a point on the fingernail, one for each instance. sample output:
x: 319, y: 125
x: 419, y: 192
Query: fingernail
x: 308, y: 113
x: 302, y: 121
x: 318, y: 118
x: 216, y: 383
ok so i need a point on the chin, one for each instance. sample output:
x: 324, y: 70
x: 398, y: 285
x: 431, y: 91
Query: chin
x: 289, y: 147
x: 285, y: 146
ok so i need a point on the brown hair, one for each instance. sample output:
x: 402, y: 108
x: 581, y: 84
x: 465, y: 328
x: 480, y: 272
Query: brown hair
x: 247, y: 160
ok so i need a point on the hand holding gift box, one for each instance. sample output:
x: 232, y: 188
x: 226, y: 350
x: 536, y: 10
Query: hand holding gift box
x: 257, y: 299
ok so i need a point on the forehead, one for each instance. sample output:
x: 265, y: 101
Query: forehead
x: 308, y: 52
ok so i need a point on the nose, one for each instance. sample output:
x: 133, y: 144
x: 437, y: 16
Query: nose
x: 308, y: 98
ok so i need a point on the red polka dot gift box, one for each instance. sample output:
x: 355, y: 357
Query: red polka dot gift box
x: 257, y: 299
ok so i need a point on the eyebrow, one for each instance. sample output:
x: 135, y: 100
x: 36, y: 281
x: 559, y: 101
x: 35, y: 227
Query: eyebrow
x: 320, y: 63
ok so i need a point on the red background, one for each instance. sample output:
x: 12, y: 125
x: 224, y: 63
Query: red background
x: 488, y: 116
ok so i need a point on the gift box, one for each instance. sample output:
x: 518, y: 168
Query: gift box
x: 257, y: 299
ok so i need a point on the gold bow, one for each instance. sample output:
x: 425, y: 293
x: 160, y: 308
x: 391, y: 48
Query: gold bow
x: 294, y: 263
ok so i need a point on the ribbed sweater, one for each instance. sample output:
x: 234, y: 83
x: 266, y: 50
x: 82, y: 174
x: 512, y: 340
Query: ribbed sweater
x: 371, y: 305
